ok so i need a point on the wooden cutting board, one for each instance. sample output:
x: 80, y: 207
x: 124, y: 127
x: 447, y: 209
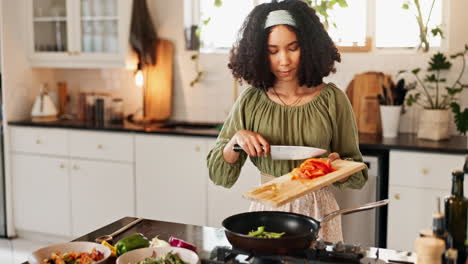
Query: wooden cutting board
x: 283, y: 190
x: 362, y: 93
x: 159, y: 83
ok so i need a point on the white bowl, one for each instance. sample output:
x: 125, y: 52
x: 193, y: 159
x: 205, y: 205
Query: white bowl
x: 132, y: 257
x: 37, y: 256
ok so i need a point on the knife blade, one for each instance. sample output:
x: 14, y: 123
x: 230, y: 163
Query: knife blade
x: 281, y: 152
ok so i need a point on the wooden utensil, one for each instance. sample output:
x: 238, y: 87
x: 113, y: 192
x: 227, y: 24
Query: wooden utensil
x: 62, y: 97
x: 111, y: 236
x: 283, y: 190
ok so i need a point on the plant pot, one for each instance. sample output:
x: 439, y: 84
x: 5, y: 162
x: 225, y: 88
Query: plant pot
x: 434, y: 124
x: 390, y: 115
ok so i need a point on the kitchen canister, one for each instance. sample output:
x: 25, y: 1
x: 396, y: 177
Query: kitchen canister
x: 117, y: 111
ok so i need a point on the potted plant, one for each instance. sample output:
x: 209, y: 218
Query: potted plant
x: 436, y: 96
x: 391, y: 101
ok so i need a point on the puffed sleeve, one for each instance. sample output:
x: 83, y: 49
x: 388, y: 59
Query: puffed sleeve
x: 345, y: 139
x: 221, y: 172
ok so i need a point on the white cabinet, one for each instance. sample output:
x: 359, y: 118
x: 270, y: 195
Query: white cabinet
x: 415, y: 180
x: 68, y: 185
x: 171, y: 177
x: 78, y: 34
x: 410, y: 210
x: 423, y: 170
x: 41, y: 194
x: 39, y: 140
x: 100, y: 145
x: 101, y: 192
x: 223, y: 202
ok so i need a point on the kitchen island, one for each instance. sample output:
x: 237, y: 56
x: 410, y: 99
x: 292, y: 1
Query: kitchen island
x: 209, y: 240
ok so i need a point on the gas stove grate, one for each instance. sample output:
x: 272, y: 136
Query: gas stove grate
x: 227, y: 255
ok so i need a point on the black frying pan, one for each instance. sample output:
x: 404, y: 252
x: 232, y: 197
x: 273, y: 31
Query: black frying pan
x: 300, y: 230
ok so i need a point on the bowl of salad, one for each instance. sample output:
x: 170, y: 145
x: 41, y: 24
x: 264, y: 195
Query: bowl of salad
x: 159, y: 255
x: 70, y: 253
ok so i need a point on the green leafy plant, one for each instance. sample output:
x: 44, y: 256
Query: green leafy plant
x: 431, y: 94
x: 423, y: 27
x: 195, y: 58
x: 460, y: 117
x: 323, y: 7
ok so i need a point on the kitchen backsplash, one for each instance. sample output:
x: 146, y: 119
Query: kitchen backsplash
x: 212, y: 98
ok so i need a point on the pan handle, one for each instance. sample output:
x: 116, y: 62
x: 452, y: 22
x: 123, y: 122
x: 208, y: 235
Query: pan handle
x: 364, y: 207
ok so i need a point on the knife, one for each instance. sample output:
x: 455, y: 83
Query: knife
x: 279, y: 152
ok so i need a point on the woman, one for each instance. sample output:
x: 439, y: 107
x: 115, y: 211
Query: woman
x: 283, y: 53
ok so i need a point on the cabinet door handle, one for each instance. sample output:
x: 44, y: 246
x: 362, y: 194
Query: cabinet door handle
x: 425, y: 171
x: 62, y: 166
x: 38, y: 141
x: 99, y: 146
x: 76, y: 167
x: 396, y: 196
x: 197, y: 148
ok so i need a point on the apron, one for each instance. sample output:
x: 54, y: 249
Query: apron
x: 315, y: 204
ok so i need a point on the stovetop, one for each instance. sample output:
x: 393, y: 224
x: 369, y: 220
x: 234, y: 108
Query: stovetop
x: 320, y: 252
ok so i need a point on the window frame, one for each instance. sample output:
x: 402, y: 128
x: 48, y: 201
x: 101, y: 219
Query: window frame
x: 370, y: 43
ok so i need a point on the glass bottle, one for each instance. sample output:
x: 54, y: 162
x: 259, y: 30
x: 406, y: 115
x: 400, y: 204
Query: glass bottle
x: 456, y: 206
x: 117, y: 111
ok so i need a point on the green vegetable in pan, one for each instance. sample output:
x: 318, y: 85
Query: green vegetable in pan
x: 260, y: 232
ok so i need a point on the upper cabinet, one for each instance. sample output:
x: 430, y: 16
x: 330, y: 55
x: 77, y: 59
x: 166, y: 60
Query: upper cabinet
x: 79, y: 34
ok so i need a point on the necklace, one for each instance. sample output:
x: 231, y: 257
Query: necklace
x: 298, y: 99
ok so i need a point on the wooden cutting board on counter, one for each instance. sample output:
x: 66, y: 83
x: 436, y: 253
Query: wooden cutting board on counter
x: 283, y: 190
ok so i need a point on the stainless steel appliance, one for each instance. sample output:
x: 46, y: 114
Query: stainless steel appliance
x: 361, y: 228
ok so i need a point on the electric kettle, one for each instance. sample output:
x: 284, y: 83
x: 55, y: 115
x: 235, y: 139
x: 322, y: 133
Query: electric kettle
x: 43, y: 109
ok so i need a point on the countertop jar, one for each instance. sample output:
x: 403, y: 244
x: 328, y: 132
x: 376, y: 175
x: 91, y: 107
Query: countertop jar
x: 117, y: 111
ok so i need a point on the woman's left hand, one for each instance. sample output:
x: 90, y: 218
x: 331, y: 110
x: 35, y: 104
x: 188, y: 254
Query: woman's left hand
x: 334, y: 156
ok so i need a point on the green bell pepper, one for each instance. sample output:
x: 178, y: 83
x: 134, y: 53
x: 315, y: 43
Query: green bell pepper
x: 131, y: 242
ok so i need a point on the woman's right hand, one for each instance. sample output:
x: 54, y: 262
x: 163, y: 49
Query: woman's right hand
x: 252, y: 143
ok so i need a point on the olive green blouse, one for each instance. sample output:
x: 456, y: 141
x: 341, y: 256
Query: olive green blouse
x: 327, y: 122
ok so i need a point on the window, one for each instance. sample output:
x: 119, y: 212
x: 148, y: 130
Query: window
x: 346, y: 33
x: 396, y: 27
x: 220, y: 32
x: 384, y: 21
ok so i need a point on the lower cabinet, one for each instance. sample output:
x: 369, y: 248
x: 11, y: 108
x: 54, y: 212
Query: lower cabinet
x: 410, y: 210
x: 416, y: 179
x: 60, y: 191
x: 101, y: 192
x: 41, y: 194
x: 171, y: 178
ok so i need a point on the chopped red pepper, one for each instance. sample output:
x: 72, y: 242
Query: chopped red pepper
x: 312, y: 168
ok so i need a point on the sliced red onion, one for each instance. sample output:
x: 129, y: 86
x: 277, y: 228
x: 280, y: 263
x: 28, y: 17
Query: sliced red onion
x: 176, y: 242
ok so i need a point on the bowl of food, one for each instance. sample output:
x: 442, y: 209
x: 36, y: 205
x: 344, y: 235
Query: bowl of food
x: 159, y: 255
x: 71, y: 252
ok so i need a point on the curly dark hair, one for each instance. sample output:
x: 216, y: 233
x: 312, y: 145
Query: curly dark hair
x: 249, y: 56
